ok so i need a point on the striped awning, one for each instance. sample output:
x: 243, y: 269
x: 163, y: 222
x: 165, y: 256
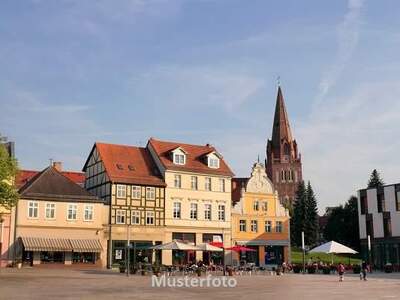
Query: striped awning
x: 46, y: 244
x: 60, y: 244
x: 86, y: 245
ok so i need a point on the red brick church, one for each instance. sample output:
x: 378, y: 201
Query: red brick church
x: 283, y: 163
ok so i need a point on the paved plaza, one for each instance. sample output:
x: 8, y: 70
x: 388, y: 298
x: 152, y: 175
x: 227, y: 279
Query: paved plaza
x: 103, y: 284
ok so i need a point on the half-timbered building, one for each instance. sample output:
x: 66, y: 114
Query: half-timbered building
x: 127, y: 179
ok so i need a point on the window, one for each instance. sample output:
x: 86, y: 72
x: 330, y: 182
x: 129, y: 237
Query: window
x: 265, y: 206
x: 150, y: 193
x: 50, y: 211
x: 397, y: 196
x: 242, y: 225
x: 268, y: 226
x: 193, y: 211
x: 256, y: 205
x: 72, y: 210
x: 179, y: 158
x: 208, y: 184
x: 194, y: 182
x: 221, y: 212
x: 364, y: 204
x: 222, y: 185
x: 88, y: 215
x: 207, y: 211
x: 213, y: 162
x: 177, y: 181
x: 149, y: 217
x: 121, y: 191
x: 136, y: 192
x: 278, y: 226
x: 135, y: 217
x: 381, y: 201
x: 177, y: 210
x: 33, y: 208
x: 120, y: 216
x: 254, y: 226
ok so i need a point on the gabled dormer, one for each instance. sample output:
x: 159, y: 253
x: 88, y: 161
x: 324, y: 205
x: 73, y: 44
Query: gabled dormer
x: 213, y: 159
x: 178, y: 156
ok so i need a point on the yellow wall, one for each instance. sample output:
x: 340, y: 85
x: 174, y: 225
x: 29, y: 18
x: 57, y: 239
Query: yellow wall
x: 186, y: 195
x: 60, y: 227
x: 261, y: 216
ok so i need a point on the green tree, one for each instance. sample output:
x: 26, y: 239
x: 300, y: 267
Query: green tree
x: 297, y: 224
x: 342, y: 225
x: 311, y: 217
x: 8, y: 171
x: 375, y: 180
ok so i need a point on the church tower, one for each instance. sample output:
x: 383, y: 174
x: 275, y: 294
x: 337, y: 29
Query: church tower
x: 283, y: 163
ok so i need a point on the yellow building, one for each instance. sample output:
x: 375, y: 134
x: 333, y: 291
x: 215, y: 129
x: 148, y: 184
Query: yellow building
x: 128, y: 181
x: 259, y: 221
x: 57, y: 221
x: 197, y: 198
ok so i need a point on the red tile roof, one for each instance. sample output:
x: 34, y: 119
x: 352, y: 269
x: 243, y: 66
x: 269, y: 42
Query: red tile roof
x: 195, y: 158
x: 26, y: 175
x: 129, y: 164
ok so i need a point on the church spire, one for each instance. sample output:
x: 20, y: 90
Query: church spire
x: 281, y: 128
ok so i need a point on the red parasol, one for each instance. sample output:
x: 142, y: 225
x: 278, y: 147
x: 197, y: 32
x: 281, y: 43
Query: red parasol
x: 241, y: 248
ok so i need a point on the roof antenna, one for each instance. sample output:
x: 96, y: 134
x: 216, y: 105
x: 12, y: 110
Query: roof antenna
x: 278, y: 81
x: 51, y: 161
x: 258, y: 158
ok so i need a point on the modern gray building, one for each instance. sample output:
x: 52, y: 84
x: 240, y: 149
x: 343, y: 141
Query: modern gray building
x: 379, y: 218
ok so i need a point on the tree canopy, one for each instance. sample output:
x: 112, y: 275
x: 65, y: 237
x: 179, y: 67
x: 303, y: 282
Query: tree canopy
x: 342, y: 225
x: 8, y: 171
x: 305, y: 216
x: 375, y: 180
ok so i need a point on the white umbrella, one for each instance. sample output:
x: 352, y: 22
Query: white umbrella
x: 332, y: 247
x: 208, y: 247
x: 175, y: 245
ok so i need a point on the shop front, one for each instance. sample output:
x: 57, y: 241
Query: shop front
x: 213, y: 258
x: 37, y: 251
x: 139, y: 252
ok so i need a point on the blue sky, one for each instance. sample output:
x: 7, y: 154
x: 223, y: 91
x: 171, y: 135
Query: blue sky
x: 204, y: 71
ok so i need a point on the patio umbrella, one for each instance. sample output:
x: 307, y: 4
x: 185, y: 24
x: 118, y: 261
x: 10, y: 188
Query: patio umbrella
x: 332, y: 247
x: 208, y: 247
x: 175, y: 245
x: 241, y: 248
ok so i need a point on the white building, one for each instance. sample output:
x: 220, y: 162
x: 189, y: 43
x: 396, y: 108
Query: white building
x: 379, y: 217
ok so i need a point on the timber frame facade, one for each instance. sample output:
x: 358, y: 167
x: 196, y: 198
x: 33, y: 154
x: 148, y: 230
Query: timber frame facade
x: 126, y: 179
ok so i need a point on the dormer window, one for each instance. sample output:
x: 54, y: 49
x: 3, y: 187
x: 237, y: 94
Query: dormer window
x: 213, y: 161
x: 178, y: 156
x: 179, y: 159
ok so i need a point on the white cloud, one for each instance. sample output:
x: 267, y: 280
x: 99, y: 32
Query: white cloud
x: 347, y: 39
x: 345, y: 138
x: 192, y: 85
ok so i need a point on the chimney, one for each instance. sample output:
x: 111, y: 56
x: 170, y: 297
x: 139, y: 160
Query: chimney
x: 57, y: 165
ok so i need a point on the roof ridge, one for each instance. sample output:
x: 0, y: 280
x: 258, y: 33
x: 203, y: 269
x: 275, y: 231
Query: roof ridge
x: 30, y: 181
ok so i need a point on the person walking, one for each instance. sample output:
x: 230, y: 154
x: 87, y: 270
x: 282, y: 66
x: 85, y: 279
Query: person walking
x: 341, y: 270
x: 364, y: 270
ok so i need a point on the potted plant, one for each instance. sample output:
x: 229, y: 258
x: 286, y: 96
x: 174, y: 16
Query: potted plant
x: 388, y: 268
x: 122, y: 267
x: 311, y: 269
x: 326, y: 270
x: 356, y: 269
x: 297, y: 269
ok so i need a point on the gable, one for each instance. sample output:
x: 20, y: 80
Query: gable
x: 259, y: 181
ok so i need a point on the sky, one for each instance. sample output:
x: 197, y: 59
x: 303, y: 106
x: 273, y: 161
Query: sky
x: 74, y: 72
